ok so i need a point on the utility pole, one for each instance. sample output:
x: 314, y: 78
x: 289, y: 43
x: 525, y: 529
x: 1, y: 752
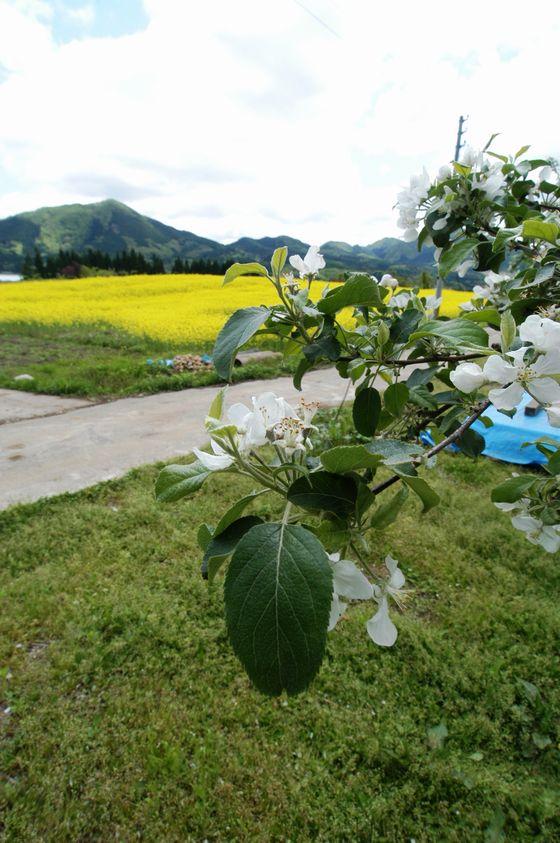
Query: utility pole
x: 460, y: 133
x: 458, y: 147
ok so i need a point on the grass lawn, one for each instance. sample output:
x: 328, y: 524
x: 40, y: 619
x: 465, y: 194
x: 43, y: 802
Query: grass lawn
x: 125, y: 716
x: 97, y: 361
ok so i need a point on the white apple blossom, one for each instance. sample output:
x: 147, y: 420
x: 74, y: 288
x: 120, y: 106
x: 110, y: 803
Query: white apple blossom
x: 380, y: 627
x: 388, y: 281
x: 220, y: 460
x: 472, y: 158
x: 349, y: 582
x: 309, y: 265
x: 408, y: 201
x: 468, y: 377
x: 493, y: 183
x: 542, y: 332
x: 546, y: 536
x: 400, y: 300
x: 553, y: 413
x: 492, y: 287
x: 290, y: 435
x: 445, y: 172
x: 464, y: 267
x: 518, y: 377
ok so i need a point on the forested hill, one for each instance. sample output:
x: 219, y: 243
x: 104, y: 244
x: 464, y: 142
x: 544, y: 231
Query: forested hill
x: 113, y: 227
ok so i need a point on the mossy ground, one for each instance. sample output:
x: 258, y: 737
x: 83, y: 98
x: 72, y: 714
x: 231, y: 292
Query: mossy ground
x: 125, y: 716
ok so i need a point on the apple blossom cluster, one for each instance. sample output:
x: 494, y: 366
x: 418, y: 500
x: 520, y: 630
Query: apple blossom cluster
x: 545, y: 535
x: 269, y: 421
x: 288, y: 581
x: 530, y: 368
x: 351, y: 583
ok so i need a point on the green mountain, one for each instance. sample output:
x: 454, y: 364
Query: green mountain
x: 111, y: 226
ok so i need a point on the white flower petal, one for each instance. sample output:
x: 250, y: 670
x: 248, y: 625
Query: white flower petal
x: 545, y: 390
x: 380, y: 627
x: 467, y: 377
x: 237, y: 414
x: 298, y: 264
x: 337, y: 610
x: 213, y: 462
x: 553, y: 414
x: 548, y: 364
x: 526, y: 523
x: 348, y: 581
x: 508, y: 398
x: 497, y: 370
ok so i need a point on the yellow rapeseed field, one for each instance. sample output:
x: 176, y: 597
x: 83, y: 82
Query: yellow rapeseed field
x: 177, y: 308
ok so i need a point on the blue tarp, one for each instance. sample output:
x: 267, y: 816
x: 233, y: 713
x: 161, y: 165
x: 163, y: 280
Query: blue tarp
x: 505, y: 439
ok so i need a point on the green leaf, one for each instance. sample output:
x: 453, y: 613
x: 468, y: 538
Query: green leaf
x: 203, y: 536
x: 237, y: 269
x: 216, y: 407
x: 345, y: 458
x: 358, y: 290
x: 221, y: 546
x: 180, y: 481
x: 302, y: 367
x: 394, y: 451
x: 236, y: 510
x: 239, y: 328
x: 395, y: 398
x: 324, y: 491
x: 427, y: 495
x: 456, y: 254
x: 386, y: 513
x: 488, y: 314
x: 540, y: 230
x: 278, y: 592
x: 326, y: 346
x: 513, y: 489
x: 507, y: 330
x: 278, y: 260
x: 366, y: 410
x: 471, y: 443
x: 457, y: 332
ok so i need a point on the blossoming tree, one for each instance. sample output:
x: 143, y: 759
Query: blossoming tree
x: 287, y: 582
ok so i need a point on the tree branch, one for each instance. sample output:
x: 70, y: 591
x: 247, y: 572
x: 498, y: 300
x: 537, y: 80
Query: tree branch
x: 437, y: 448
x: 453, y: 358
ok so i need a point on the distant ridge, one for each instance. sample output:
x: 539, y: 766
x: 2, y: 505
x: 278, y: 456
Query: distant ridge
x: 110, y: 226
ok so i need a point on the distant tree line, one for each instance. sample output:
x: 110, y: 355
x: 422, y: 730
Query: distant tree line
x: 67, y: 263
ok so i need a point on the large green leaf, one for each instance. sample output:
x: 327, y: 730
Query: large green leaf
x: 394, y: 451
x: 395, y: 398
x: 221, y: 546
x: 359, y: 289
x: 239, y: 328
x: 387, y: 512
x: 278, y: 592
x: 427, y: 495
x: 366, y: 410
x: 456, y: 254
x: 514, y: 489
x: 345, y: 458
x: 237, y: 269
x: 540, y: 230
x: 324, y: 491
x: 236, y: 510
x: 180, y: 481
x: 278, y: 260
x: 457, y: 332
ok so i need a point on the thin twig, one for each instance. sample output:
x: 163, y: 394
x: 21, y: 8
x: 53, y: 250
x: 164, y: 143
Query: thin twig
x: 437, y: 448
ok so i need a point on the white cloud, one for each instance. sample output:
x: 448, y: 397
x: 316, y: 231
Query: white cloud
x: 251, y: 118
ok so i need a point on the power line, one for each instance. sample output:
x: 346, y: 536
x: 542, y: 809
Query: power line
x: 317, y: 18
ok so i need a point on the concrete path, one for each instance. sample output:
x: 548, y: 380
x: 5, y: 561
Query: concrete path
x: 16, y: 405
x: 58, y: 445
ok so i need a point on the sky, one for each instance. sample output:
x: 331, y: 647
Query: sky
x: 258, y: 118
